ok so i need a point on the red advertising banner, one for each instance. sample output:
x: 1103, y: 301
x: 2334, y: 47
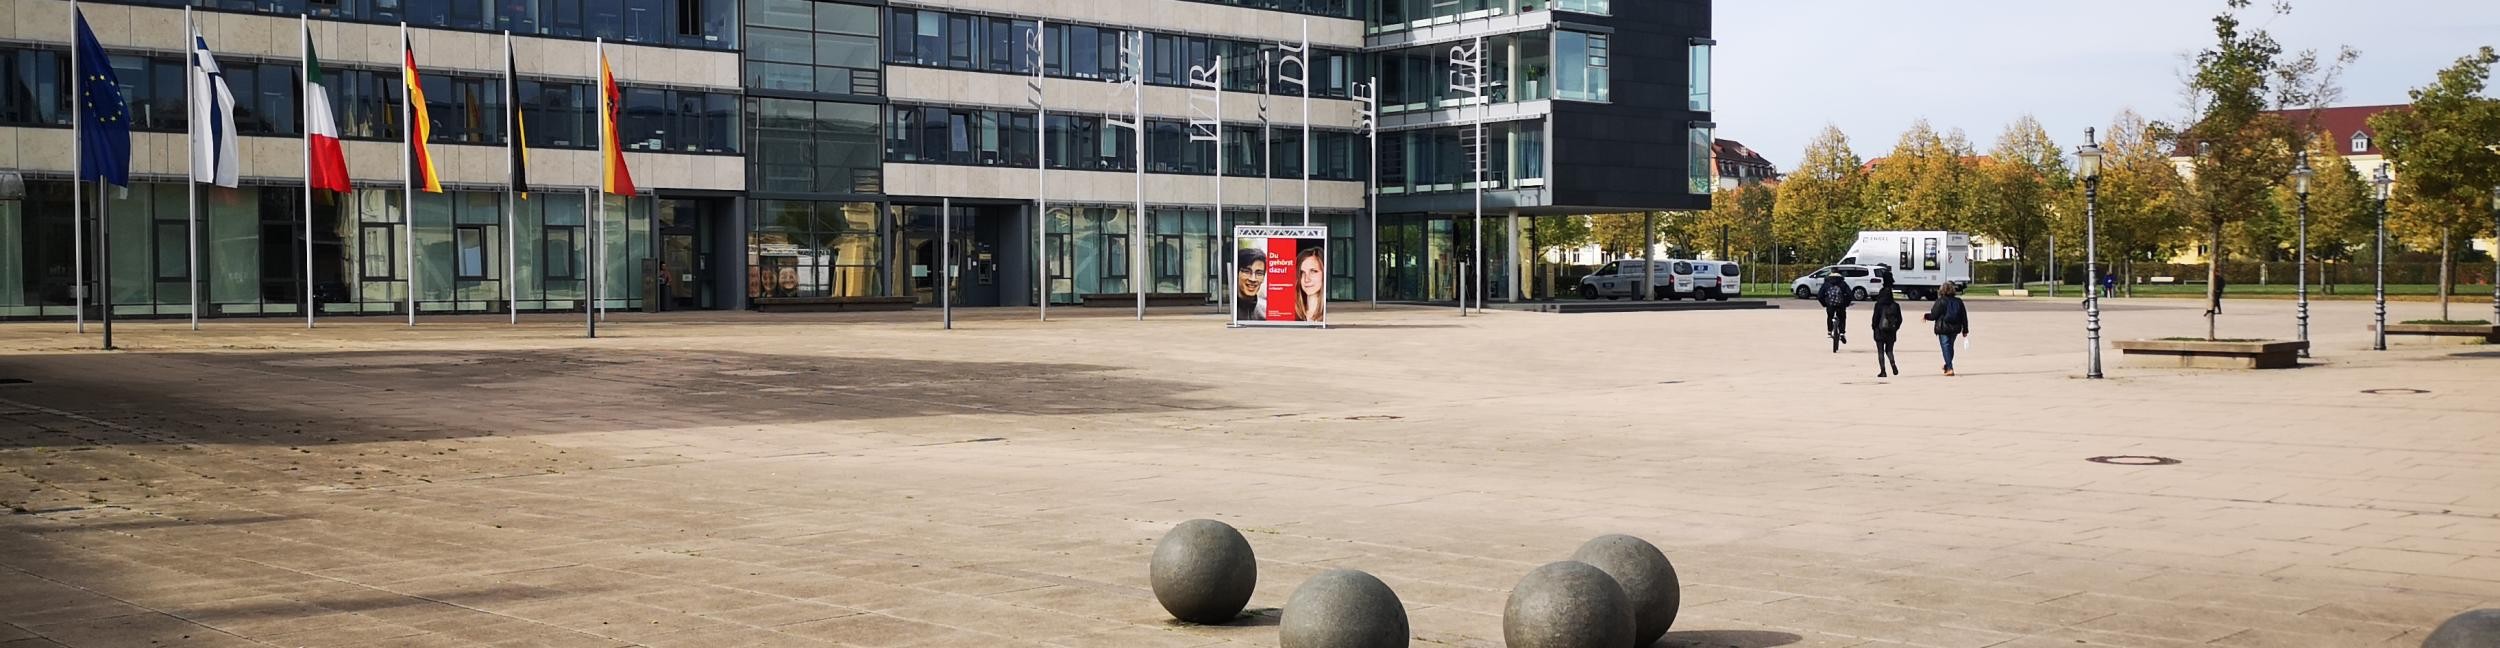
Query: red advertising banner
x: 1283, y: 275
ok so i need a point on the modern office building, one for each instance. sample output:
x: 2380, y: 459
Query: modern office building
x: 799, y: 150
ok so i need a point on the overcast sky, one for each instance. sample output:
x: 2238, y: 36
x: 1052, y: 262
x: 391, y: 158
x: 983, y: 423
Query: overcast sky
x: 1785, y: 68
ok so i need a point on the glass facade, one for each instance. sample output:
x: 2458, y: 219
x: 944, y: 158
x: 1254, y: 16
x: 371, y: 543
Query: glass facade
x: 1584, y: 62
x: 252, y: 251
x: 707, y: 24
x: 816, y: 47
x: 1435, y: 159
x: 1697, y: 89
x: 466, y: 109
x: 960, y: 41
x: 1698, y: 139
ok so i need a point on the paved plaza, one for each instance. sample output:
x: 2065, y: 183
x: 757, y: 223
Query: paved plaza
x: 870, y: 480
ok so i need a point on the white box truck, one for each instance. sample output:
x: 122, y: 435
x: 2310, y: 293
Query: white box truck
x: 1922, y: 261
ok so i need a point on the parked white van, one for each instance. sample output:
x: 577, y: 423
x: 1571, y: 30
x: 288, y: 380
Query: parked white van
x: 1620, y: 279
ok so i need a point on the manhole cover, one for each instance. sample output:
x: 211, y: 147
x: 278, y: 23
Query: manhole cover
x: 2134, y: 460
x: 1374, y: 417
x: 2395, y: 391
x: 14, y: 381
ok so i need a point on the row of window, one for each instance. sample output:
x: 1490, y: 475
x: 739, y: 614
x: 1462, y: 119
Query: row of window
x: 804, y: 46
x: 1439, y: 159
x: 465, y: 109
x: 1328, y: 8
x: 1006, y: 138
x: 708, y: 24
x: 1395, y: 15
x: 995, y: 44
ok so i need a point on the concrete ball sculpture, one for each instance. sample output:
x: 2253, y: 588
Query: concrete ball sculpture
x: 1203, y: 572
x: 1648, y: 580
x: 1343, y: 608
x: 2471, y: 629
x: 1568, y: 604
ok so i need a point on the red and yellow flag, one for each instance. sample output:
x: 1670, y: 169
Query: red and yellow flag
x: 617, y: 179
x: 420, y: 126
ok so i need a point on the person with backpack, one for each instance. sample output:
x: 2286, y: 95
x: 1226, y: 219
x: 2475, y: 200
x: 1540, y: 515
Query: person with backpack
x: 1952, y: 321
x: 1835, y: 298
x: 1887, y: 323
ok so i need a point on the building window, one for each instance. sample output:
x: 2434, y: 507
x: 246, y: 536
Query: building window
x: 821, y: 47
x: 470, y: 244
x: 559, y: 261
x: 1582, y: 63
x: 2360, y: 142
x: 379, y: 255
x: 1697, y: 88
x: 815, y: 146
x: 1699, y: 137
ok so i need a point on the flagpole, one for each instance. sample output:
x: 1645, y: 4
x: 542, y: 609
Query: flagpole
x: 511, y: 204
x: 1307, y: 156
x: 78, y: 197
x: 599, y: 236
x: 191, y: 185
x: 408, y: 173
x: 601, y: 233
x: 304, y: 24
x: 1137, y: 242
x: 1041, y: 173
x: 589, y: 315
x: 104, y: 258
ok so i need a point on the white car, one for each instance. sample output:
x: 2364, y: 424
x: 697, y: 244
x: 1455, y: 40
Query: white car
x: 1861, y: 279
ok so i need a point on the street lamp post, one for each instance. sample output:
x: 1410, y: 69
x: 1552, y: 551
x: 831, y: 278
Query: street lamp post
x: 2301, y: 174
x: 2379, y: 284
x: 2495, y: 249
x: 2089, y: 157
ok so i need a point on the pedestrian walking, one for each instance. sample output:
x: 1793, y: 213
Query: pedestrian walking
x: 1952, y: 321
x: 1887, y: 322
x: 1835, y: 298
x: 2109, y: 284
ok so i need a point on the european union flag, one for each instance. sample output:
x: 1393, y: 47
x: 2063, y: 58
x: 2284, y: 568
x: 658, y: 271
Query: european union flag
x: 104, y: 123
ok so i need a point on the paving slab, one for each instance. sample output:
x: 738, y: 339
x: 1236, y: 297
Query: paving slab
x: 719, y: 479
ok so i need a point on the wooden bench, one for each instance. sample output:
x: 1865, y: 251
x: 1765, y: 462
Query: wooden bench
x: 1153, y: 300
x: 2488, y: 333
x: 831, y: 304
x: 2161, y: 280
x: 2201, y: 354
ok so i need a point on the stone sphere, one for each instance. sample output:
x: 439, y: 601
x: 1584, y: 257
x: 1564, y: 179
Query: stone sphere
x: 1343, y: 608
x: 1568, y: 604
x: 2471, y: 629
x: 1648, y: 580
x: 1203, y: 572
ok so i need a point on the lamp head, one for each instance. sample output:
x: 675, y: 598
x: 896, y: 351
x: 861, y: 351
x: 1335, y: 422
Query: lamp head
x: 2381, y: 181
x: 2301, y: 174
x: 2088, y: 157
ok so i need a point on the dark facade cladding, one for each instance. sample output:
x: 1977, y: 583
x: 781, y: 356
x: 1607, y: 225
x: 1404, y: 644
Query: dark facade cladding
x: 1600, y: 106
x: 1636, y: 151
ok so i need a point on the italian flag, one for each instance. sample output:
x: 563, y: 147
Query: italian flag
x: 325, y: 166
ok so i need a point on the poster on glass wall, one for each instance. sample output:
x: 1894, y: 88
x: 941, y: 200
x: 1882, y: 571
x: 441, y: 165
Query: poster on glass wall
x: 1281, y: 274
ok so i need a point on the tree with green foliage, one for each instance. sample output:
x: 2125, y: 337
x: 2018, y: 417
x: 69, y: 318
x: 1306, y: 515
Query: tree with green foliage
x: 1820, y: 206
x: 1552, y: 235
x: 2445, y: 170
x: 2240, y: 150
x: 2016, y: 190
x: 1925, y: 183
x: 2143, y: 201
x: 2340, y: 207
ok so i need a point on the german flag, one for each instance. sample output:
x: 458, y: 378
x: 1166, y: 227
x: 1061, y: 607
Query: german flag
x: 617, y: 179
x: 517, y: 131
x: 420, y: 125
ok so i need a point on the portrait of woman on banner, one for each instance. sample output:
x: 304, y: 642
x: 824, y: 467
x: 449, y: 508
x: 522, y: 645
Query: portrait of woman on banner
x: 1310, y: 270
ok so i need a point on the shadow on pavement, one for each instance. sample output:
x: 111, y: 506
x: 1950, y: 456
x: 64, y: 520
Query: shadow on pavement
x: 313, y: 399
